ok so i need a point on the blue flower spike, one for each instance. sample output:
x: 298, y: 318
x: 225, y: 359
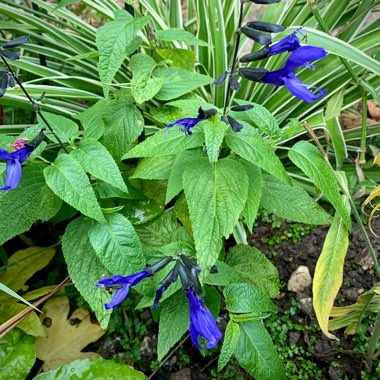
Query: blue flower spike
x: 12, y: 55
x: 190, y: 122
x: 16, y: 158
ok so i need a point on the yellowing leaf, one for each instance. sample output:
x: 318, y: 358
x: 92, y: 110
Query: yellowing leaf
x: 328, y: 275
x: 65, y: 337
x: 374, y: 193
x: 376, y: 161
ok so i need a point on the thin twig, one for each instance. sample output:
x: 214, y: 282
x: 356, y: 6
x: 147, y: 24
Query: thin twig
x: 35, y: 105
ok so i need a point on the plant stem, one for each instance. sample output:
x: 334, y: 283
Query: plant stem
x: 363, y: 141
x: 35, y: 105
x: 227, y: 99
x: 373, y: 341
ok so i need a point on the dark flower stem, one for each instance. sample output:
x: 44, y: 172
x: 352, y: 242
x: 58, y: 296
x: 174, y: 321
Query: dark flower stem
x: 35, y: 105
x: 227, y: 99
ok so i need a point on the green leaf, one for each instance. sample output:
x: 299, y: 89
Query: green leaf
x: 253, y: 267
x: 255, y: 188
x: 215, y: 195
x: 154, y: 168
x: 334, y: 105
x: 181, y: 58
x: 178, y: 82
x: 92, y: 121
x: 84, y: 267
x: 337, y: 137
x: 308, y: 158
x: 261, y: 117
x: 69, y: 181
x: 17, y: 355
x: 328, y: 276
x: 64, y: 128
x: 231, y: 338
x: 214, y: 131
x: 141, y: 64
x: 245, y: 298
x: 256, y: 353
x: 117, y: 245
x: 174, y: 312
x: 291, y: 202
x: 124, y: 124
x: 176, y: 34
x: 181, y: 161
x: 160, y: 145
x: 140, y: 211
x: 95, y: 159
x: 112, y: 41
x: 99, y: 369
x: 145, y: 88
x: 31, y: 201
x: 371, y: 90
x: 251, y: 146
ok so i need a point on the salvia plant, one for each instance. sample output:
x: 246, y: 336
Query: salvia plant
x: 155, y: 140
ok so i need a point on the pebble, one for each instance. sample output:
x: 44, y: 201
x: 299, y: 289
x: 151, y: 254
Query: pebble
x: 299, y: 280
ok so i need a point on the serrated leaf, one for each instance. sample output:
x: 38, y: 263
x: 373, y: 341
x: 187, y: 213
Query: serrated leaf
x: 181, y: 58
x: 84, y: 267
x: 154, y: 168
x: 253, y: 267
x: 165, y: 144
x: 141, y: 64
x: 261, y: 117
x: 328, y: 276
x: 215, y: 195
x: 31, y: 201
x: 181, y: 161
x: 249, y: 145
x: 92, y: 121
x: 178, y: 82
x: 231, y: 338
x: 245, y: 298
x: 291, y: 202
x: 99, y: 369
x: 96, y: 160
x: 64, y: 128
x: 256, y: 353
x: 255, y: 188
x: 308, y: 158
x: 124, y: 124
x: 176, y: 34
x: 117, y: 245
x: 17, y: 355
x: 69, y: 181
x: 174, y: 312
x: 214, y: 135
x: 145, y: 88
x: 112, y: 41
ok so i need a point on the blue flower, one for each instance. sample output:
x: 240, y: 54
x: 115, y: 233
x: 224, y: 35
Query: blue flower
x: 13, y: 168
x: 202, y: 323
x: 122, y: 285
x: 288, y: 43
x: 285, y: 76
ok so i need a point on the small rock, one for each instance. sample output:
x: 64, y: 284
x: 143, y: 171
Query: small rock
x: 307, y: 305
x: 374, y: 109
x: 299, y: 280
x: 183, y: 374
x: 294, y: 336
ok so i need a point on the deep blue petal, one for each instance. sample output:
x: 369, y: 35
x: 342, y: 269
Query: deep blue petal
x: 275, y: 77
x: 5, y: 155
x: 131, y: 280
x: 118, y: 298
x: 289, y: 43
x: 300, y: 90
x: 194, y: 337
x: 13, y: 174
x: 303, y: 56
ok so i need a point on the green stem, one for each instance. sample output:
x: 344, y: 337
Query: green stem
x: 373, y: 341
x: 363, y: 141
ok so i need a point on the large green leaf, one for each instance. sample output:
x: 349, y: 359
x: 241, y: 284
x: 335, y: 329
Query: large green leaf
x: 308, y: 158
x: 99, y: 369
x: 174, y: 312
x: 291, y: 202
x: 117, y: 245
x: 250, y: 145
x: 154, y: 168
x: 164, y: 143
x: 17, y: 355
x: 328, y: 275
x: 95, y: 159
x: 84, y: 267
x: 62, y: 126
x: 253, y: 267
x: 230, y: 341
x: 31, y: 201
x: 214, y: 131
x: 92, y: 121
x: 69, y: 181
x: 256, y: 353
x: 176, y: 34
x: 215, y: 195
